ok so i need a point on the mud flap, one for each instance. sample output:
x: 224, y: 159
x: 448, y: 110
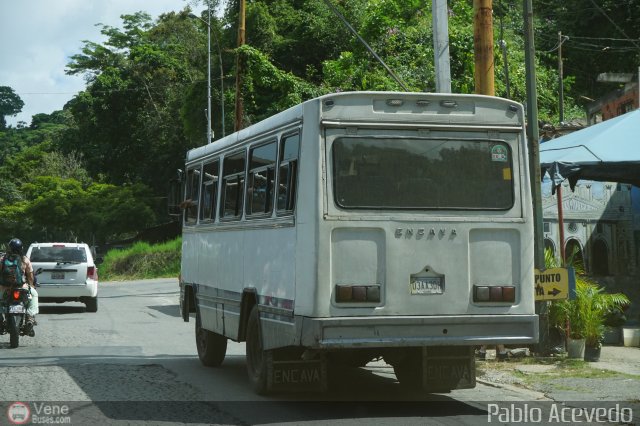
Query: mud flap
x: 446, y: 368
x: 296, y: 375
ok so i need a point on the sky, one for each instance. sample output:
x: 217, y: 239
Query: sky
x: 38, y: 37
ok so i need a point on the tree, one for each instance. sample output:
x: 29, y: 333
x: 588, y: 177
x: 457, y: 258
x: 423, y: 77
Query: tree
x: 603, y: 36
x: 129, y: 126
x: 10, y: 104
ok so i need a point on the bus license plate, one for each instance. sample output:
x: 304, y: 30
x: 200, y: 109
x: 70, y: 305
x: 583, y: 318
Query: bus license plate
x: 16, y: 309
x: 426, y: 285
x: 57, y: 275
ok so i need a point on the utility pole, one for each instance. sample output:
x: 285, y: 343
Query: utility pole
x: 503, y: 49
x: 440, y: 11
x: 533, y: 136
x: 560, y: 78
x: 533, y: 133
x: 483, y: 46
x: 209, y: 129
x: 240, y: 66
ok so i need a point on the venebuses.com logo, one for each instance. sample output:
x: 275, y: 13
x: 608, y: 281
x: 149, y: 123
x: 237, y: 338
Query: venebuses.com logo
x: 19, y: 413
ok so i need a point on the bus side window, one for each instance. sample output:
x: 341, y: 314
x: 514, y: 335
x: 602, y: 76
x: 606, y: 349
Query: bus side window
x: 261, y: 177
x: 192, y: 196
x: 288, y: 173
x: 232, y: 186
x: 209, y: 191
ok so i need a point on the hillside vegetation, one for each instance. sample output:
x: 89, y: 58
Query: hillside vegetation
x: 142, y: 261
x: 98, y: 170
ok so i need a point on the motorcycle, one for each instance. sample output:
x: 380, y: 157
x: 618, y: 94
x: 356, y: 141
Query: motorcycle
x: 14, y: 310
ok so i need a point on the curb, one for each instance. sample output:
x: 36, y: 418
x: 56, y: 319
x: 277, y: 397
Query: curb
x: 532, y: 395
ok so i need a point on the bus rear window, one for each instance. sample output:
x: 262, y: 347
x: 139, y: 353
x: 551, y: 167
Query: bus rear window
x: 417, y: 173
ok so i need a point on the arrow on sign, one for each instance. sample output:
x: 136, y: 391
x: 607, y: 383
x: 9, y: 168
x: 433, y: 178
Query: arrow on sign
x: 554, y: 292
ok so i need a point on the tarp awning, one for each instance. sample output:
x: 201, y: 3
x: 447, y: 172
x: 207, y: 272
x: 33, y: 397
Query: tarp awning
x: 607, y: 151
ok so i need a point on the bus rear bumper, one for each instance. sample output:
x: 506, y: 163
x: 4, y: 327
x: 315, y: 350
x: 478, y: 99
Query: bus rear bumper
x: 407, y: 331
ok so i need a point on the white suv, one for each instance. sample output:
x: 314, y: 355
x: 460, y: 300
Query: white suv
x: 69, y: 273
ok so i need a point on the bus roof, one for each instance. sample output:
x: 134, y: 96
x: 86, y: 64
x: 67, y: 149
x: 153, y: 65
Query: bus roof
x: 468, y: 109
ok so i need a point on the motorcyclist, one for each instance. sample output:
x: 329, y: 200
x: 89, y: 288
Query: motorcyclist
x: 15, y: 248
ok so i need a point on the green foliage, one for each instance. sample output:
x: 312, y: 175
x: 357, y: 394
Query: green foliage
x: 586, y: 314
x: 10, y: 104
x: 143, y: 261
x: 115, y: 146
x: 603, y: 37
x: 130, y: 109
x: 269, y: 90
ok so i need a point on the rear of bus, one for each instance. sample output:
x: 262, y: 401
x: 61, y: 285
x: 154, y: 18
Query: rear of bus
x: 426, y: 237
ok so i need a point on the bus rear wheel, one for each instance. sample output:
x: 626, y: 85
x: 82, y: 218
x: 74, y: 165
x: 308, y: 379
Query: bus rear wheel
x: 256, y: 355
x: 408, y: 369
x: 212, y: 347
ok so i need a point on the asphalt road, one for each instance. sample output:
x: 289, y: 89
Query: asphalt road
x: 135, y: 362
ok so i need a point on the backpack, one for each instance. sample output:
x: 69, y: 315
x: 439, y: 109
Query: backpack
x: 11, y: 270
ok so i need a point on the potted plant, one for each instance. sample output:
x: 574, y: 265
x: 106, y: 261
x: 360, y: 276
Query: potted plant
x: 595, y: 307
x: 631, y: 333
x: 613, y: 323
x: 584, y: 316
x: 566, y: 315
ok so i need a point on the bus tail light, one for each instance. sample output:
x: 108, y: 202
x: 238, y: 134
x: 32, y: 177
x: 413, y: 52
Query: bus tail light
x: 357, y: 293
x: 494, y: 293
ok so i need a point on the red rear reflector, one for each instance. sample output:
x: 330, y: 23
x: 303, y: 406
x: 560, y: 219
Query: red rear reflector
x: 359, y: 293
x: 509, y: 294
x: 494, y: 294
x: 343, y: 293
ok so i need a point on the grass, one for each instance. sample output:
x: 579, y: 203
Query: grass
x: 563, y: 367
x: 142, y: 261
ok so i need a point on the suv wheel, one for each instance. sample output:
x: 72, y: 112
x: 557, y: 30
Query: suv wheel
x: 91, y: 304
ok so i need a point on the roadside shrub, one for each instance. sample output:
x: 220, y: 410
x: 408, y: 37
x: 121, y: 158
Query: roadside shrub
x: 141, y: 261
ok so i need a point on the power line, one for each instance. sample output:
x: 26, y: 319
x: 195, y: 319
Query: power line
x: 604, y: 38
x: 615, y: 25
x: 366, y: 45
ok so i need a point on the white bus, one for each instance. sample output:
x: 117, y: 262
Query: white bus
x: 362, y: 225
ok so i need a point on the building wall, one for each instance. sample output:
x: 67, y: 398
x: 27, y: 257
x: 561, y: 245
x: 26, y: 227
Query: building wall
x: 615, y: 103
x: 598, y: 218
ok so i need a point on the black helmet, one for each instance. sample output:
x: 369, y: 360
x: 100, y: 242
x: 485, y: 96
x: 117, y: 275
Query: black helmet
x: 15, y: 246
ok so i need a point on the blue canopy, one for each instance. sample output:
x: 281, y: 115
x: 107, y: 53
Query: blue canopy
x: 607, y: 151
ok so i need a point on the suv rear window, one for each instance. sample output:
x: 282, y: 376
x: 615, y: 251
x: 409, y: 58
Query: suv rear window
x: 58, y: 254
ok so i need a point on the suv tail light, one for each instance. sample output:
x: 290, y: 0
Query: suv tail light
x: 92, y: 272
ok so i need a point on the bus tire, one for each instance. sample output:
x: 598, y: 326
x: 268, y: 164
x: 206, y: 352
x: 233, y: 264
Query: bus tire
x: 212, y: 347
x: 256, y: 355
x: 408, y: 369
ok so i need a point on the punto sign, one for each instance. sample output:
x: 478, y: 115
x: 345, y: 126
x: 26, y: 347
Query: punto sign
x: 553, y: 284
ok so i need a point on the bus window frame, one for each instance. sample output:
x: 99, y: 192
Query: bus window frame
x: 216, y: 190
x: 242, y: 192
x: 249, y: 215
x: 196, y: 169
x: 291, y: 199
